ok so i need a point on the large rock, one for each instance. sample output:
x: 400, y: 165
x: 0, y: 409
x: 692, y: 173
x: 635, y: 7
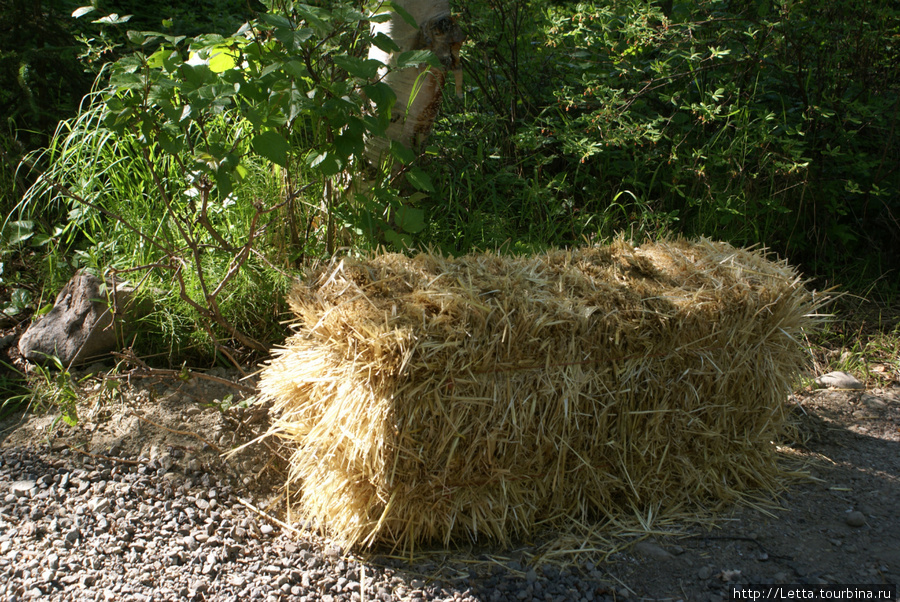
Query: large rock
x: 80, y: 326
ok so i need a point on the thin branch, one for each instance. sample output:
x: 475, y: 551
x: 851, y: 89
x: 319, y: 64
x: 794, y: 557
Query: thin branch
x: 148, y: 372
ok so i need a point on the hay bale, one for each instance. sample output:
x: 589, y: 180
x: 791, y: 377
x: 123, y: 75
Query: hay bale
x: 431, y: 398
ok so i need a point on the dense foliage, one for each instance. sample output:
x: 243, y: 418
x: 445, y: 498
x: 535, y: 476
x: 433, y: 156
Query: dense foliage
x: 770, y: 122
x: 214, y: 157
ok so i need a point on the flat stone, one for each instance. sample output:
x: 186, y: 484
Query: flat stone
x: 872, y: 402
x: 839, y: 380
x: 98, y: 505
x: 22, y: 488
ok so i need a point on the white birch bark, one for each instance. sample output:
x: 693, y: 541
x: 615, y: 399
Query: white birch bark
x: 418, y: 90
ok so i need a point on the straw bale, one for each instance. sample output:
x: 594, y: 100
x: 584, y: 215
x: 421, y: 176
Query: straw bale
x: 431, y: 398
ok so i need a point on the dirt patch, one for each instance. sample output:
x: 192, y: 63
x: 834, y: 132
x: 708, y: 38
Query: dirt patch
x: 839, y: 527
x: 185, y: 420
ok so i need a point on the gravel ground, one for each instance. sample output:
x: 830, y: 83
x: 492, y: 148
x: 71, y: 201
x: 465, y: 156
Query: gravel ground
x: 78, y: 528
x: 147, y: 510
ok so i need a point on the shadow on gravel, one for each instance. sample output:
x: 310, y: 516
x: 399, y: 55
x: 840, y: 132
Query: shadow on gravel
x: 841, y: 526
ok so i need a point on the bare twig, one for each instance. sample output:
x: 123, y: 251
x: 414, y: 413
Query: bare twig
x: 147, y: 371
x: 269, y: 517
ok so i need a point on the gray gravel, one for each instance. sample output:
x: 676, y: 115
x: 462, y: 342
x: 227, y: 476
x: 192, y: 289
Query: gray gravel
x: 78, y: 528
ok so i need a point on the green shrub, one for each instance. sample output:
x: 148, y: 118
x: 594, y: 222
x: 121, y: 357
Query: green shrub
x: 759, y: 123
x: 209, y: 166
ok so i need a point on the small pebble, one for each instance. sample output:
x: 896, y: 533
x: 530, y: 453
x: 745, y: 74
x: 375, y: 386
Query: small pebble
x: 23, y: 488
x: 651, y: 550
x: 855, y: 519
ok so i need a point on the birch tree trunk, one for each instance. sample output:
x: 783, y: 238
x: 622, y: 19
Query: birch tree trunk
x: 418, y: 89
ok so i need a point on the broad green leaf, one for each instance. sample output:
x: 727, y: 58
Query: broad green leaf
x: 218, y: 94
x: 272, y: 146
x: 206, y: 161
x: 222, y: 58
x: 357, y: 67
x: 420, y: 179
x: 316, y: 17
x: 385, y: 43
x: 315, y: 159
x: 127, y: 81
x: 410, y: 219
x: 324, y: 162
x: 172, y: 62
x: 136, y: 37
x: 401, y: 153
x: 19, y: 231
x: 348, y: 15
x: 293, y: 39
x: 130, y: 63
x: 295, y: 69
x: 19, y: 300
x: 196, y: 75
x: 382, y: 95
x: 223, y: 182
x: 113, y: 19
x: 275, y: 20
x: 374, y: 126
x: 404, y: 14
x: 401, y: 242
x: 348, y: 143
x: 82, y: 11
x: 331, y: 166
x: 208, y: 40
x: 170, y: 140
x: 158, y: 59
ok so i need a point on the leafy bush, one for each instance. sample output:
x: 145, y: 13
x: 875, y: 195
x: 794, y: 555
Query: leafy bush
x: 766, y: 122
x: 209, y: 165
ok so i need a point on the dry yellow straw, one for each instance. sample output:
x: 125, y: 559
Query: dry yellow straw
x: 431, y: 398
